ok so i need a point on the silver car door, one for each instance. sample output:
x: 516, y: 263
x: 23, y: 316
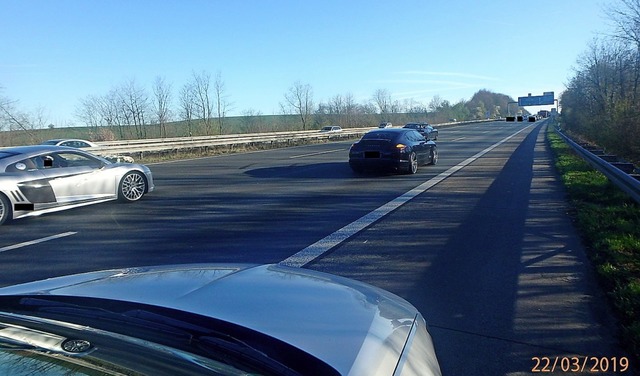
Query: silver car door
x: 78, y: 177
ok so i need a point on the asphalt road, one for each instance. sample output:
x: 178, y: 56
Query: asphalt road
x: 480, y: 243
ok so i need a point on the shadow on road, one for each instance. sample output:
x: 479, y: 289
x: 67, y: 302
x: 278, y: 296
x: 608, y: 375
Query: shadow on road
x: 490, y: 257
x: 332, y: 170
x: 517, y: 284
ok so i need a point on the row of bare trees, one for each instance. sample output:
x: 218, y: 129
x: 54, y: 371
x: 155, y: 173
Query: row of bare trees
x: 602, y: 100
x: 14, y: 119
x: 345, y: 111
x: 129, y: 108
x: 201, y: 105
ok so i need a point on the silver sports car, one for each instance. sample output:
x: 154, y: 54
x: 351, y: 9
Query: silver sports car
x: 40, y: 179
x: 211, y: 319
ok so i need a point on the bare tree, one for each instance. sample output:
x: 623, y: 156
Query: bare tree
x: 332, y: 112
x: 222, y: 103
x: 414, y: 107
x: 135, y: 104
x: 435, y: 104
x: 201, y: 86
x: 382, y: 100
x: 602, y: 100
x: 251, y: 121
x: 162, y: 102
x: 13, y: 119
x: 300, y: 99
x: 89, y: 111
x: 187, y: 106
x: 350, y: 110
x: 110, y: 108
x: 626, y: 19
x: 336, y: 105
x: 396, y: 107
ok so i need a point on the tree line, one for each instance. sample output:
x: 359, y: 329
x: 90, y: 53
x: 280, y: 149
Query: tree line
x: 130, y: 109
x: 602, y: 101
x: 201, y: 107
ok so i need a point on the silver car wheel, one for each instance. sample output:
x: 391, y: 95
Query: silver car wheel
x: 413, y: 163
x: 434, y: 156
x: 132, y: 187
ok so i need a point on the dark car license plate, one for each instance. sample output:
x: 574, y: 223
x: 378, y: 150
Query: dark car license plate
x: 372, y: 154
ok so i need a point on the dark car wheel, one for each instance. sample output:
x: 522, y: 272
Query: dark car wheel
x: 132, y: 187
x: 433, y: 156
x: 5, y: 209
x: 413, y: 163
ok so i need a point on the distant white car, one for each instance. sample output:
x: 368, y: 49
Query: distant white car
x: 385, y: 124
x: 71, y: 142
x: 331, y: 129
x: 84, y: 144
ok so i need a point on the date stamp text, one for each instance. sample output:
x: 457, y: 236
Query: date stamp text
x: 579, y: 364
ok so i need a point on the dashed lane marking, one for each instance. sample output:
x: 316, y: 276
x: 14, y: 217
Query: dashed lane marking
x: 36, y: 241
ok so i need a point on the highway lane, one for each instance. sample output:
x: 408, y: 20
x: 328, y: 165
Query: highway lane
x: 254, y: 207
x: 468, y: 251
x: 493, y: 263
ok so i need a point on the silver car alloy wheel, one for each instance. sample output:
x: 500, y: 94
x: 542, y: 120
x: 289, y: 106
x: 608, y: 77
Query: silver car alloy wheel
x: 132, y: 186
x: 413, y: 163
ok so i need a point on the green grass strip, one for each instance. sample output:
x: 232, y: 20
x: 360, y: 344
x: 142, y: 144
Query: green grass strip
x: 609, y: 222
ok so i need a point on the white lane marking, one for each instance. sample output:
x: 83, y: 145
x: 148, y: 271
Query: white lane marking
x: 322, y: 246
x: 318, y: 153
x: 36, y: 241
x: 458, y: 139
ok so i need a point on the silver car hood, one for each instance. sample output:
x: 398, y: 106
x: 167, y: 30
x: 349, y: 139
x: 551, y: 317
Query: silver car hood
x: 354, y: 327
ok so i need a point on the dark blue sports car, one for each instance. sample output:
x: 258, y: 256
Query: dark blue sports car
x: 395, y: 149
x: 426, y: 129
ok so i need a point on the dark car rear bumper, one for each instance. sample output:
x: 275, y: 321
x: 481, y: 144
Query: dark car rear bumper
x: 381, y: 164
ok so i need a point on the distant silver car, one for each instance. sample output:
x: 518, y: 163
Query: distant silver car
x: 71, y: 142
x: 426, y: 129
x: 84, y: 144
x: 331, y: 129
x: 211, y: 319
x: 40, y: 179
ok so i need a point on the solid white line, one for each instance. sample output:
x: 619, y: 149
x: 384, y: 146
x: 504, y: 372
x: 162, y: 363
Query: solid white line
x: 36, y: 241
x: 322, y: 246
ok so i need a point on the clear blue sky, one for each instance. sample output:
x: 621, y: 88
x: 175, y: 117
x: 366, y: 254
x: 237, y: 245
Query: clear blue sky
x: 55, y: 52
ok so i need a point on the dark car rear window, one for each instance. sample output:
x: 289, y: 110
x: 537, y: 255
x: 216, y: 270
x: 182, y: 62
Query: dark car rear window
x: 380, y: 136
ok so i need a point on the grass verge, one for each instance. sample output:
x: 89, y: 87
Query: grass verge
x: 609, y: 223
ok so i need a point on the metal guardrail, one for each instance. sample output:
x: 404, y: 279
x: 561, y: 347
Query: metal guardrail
x: 173, y: 143
x: 621, y: 179
x: 151, y: 146
x: 142, y: 147
x: 218, y: 138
